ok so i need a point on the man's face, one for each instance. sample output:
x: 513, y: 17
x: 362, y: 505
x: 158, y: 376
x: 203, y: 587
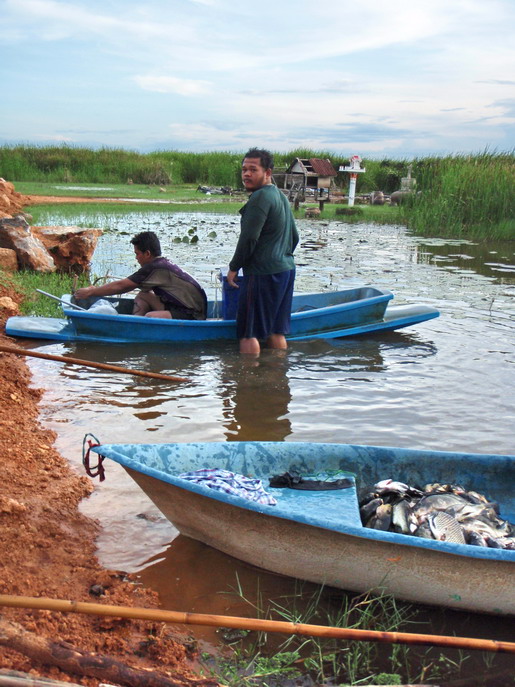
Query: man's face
x: 253, y: 175
x: 143, y: 257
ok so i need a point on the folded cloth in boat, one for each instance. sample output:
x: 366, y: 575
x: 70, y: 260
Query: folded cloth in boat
x: 230, y: 483
x: 292, y: 480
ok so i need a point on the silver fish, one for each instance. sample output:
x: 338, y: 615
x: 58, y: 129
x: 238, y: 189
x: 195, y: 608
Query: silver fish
x: 474, y: 538
x: 445, y: 527
x: 493, y: 543
x: 439, y: 502
x: 390, y: 485
x: 368, y: 509
x: 423, y: 531
x: 401, y: 516
x: 382, y: 518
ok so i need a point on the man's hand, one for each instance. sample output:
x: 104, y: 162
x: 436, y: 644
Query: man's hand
x: 111, y: 289
x: 85, y: 292
x: 231, y: 279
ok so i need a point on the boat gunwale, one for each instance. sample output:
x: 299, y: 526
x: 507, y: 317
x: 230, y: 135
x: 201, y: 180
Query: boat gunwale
x: 382, y: 295
x: 463, y: 550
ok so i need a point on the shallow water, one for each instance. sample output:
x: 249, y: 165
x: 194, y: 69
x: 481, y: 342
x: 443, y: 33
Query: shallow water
x: 445, y: 384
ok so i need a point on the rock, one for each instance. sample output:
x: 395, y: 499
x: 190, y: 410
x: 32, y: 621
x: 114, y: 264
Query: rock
x: 8, y: 260
x: 70, y: 247
x: 15, y: 235
x: 11, y: 201
x: 8, y: 505
x: 8, y: 305
x: 312, y: 212
x: 377, y: 198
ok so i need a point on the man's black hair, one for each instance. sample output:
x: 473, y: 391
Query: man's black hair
x: 147, y: 240
x: 266, y: 159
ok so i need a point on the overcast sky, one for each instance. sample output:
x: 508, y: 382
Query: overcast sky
x: 377, y: 78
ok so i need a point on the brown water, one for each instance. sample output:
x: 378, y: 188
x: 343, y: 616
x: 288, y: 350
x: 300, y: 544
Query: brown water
x: 446, y: 384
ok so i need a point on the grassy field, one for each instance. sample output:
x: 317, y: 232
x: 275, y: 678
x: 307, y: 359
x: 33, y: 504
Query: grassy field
x: 458, y: 195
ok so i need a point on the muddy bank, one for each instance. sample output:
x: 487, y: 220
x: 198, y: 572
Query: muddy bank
x: 47, y: 548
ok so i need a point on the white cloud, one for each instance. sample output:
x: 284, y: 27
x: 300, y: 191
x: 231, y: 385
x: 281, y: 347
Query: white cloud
x: 286, y: 71
x: 172, y: 84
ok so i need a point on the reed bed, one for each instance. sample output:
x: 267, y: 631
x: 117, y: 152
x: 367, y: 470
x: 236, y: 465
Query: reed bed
x: 464, y: 196
x: 457, y: 195
x: 70, y: 164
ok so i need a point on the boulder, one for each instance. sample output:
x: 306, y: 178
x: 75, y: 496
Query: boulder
x: 11, y: 201
x: 15, y: 235
x: 70, y: 247
x: 8, y: 260
x: 8, y: 306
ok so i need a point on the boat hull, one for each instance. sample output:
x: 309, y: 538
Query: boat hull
x: 343, y: 561
x: 308, y: 545
x: 324, y: 315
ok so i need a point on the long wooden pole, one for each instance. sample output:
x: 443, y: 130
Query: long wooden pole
x: 257, y: 624
x: 88, y: 363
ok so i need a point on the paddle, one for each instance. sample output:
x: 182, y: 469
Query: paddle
x: 255, y: 624
x: 72, y: 305
x: 88, y: 363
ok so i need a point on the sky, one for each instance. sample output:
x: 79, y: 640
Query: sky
x: 375, y: 78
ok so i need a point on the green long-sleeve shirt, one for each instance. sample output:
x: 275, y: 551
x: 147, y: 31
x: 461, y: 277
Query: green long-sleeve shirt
x: 268, y: 234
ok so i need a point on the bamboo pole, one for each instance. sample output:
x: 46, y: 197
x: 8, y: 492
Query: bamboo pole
x: 88, y: 363
x: 256, y: 624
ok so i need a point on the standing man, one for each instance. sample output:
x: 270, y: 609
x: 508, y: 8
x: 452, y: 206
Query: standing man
x: 265, y: 253
x: 166, y: 290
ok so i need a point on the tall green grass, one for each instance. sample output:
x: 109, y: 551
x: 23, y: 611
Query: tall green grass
x: 461, y: 195
x: 73, y: 164
x: 464, y: 195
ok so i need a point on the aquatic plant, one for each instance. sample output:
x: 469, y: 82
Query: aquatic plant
x: 260, y: 658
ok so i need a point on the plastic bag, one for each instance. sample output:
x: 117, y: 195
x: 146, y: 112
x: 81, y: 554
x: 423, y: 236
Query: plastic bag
x: 103, y: 307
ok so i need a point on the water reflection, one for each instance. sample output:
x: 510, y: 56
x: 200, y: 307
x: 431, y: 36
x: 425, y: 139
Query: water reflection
x: 255, y: 394
x: 494, y: 259
x: 180, y: 575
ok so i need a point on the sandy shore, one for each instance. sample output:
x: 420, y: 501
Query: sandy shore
x: 47, y: 549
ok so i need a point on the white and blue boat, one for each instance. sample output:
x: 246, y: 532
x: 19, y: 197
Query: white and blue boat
x: 333, y: 314
x: 318, y: 535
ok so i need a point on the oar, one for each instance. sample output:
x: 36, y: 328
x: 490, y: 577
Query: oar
x: 88, y: 363
x: 71, y: 305
x: 255, y: 624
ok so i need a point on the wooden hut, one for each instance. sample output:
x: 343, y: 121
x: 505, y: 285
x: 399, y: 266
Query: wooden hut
x: 313, y: 175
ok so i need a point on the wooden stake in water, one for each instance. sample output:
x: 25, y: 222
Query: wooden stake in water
x: 88, y: 363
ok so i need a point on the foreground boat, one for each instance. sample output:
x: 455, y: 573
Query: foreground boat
x: 318, y: 535
x: 328, y: 315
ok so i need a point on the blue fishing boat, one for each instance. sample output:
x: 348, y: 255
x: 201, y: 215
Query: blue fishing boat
x: 333, y: 314
x: 319, y: 535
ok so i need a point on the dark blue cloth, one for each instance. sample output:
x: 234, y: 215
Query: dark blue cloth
x: 264, y: 305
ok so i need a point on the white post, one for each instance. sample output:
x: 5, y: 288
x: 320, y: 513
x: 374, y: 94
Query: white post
x: 353, y: 169
x: 352, y: 188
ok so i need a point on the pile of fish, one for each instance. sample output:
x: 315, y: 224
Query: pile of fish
x: 446, y: 512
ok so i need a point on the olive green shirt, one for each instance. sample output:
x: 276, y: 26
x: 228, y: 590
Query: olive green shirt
x: 268, y: 234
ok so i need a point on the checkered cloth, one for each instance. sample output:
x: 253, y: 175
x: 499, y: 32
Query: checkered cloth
x: 230, y: 483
